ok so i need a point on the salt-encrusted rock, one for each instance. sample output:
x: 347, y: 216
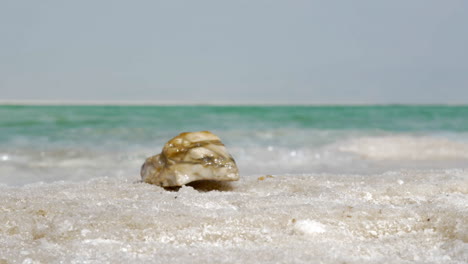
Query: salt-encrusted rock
x: 191, y: 156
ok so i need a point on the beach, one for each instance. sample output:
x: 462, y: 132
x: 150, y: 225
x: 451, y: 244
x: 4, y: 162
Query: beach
x: 319, y: 184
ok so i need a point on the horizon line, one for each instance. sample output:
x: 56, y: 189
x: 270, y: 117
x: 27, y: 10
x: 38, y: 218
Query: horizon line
x: 184, y: 103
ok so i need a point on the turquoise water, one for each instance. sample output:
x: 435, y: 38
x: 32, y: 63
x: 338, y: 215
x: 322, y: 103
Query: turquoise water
x: 137, y: 123
x: 80, y: 142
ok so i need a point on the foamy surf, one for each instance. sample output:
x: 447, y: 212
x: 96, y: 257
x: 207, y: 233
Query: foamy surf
x: 395, y: 217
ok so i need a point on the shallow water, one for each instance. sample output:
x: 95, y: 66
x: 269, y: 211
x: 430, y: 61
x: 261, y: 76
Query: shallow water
x: 318, y: 184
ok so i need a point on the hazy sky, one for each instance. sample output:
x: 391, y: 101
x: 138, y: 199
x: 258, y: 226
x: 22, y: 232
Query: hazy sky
x: 411, y: 51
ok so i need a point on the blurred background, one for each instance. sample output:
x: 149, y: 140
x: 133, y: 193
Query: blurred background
x: 294, y: 52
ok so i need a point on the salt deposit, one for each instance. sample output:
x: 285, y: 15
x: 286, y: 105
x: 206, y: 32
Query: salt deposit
x: 396, y: 217
x: 188, y: 157
x: 407, y: 148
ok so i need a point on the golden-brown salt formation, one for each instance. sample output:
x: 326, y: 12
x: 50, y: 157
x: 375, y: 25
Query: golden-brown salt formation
x: 190, y: 156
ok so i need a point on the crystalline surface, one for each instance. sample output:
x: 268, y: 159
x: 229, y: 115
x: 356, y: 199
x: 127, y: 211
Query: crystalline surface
x: 395, y: 217
x: 191, y: 156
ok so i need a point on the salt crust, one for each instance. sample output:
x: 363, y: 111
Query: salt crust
x: 405, y: 147
x: 396, y: 217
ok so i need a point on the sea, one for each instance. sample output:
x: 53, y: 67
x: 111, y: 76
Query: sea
x: 318, y: 184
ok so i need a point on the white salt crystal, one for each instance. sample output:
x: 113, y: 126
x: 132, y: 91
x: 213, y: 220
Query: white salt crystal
x: 309, y: 227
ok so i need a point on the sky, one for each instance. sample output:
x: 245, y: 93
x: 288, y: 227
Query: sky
x: 293, y: 52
